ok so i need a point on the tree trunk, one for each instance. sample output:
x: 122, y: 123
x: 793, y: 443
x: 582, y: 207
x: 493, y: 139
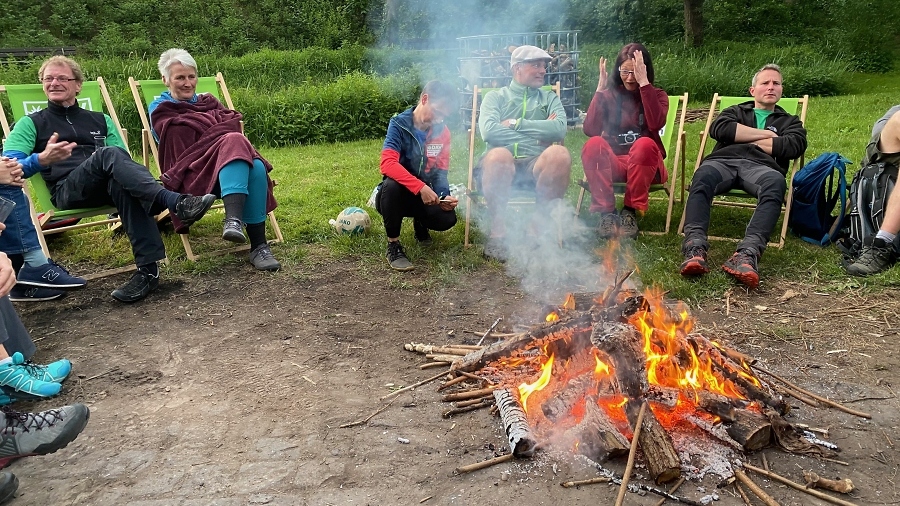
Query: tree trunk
x: 693, y: 23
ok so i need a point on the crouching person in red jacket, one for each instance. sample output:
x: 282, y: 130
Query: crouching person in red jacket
x: 414, y: 164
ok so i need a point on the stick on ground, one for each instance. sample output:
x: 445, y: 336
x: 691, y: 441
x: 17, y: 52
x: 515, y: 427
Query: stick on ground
x: 819, y: 398
x: 366, y: 419
x: 486, y: 463
x: 414, y: 385
x: 816, y: 493
x: 750, y: 484
x: 591, y: 481
x: 631, y: 454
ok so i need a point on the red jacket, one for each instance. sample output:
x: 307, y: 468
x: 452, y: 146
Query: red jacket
x: 617, y: 111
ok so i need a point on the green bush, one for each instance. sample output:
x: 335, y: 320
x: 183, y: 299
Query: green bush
x: 724, y: 68
x: 354, y: 107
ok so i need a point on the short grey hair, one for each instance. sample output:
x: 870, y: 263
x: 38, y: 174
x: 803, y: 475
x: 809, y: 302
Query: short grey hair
x: 768, y: 66
x: 173, y: 56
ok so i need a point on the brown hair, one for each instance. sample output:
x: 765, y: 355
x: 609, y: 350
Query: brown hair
x: 62, y: 60
x: 627, y: 53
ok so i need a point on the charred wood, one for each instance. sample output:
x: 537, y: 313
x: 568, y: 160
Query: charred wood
x: 596, y: 437
x: 515, y: 423
x: 538, y: 336
x: 663, y: 462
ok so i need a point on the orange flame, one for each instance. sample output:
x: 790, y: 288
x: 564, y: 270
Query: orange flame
x: 526, y: 389
x: 602, y: 368
x: 665, y: 349
x: 569, y: 304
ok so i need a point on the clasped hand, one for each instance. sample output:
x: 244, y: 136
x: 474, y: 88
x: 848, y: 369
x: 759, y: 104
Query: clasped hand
x: 11, y: 172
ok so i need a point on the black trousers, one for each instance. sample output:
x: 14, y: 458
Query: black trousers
x: 111, y: 177
x: 395, y: 202
x: 715, y: 177
x: 13, y: 335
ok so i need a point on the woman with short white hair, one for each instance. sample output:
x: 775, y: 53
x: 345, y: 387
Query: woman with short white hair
x: 201, y: 145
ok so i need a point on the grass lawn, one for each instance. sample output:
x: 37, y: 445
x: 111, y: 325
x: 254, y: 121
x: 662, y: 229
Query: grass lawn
x: 315, y: 182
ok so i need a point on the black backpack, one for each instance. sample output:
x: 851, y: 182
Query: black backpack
x: 818, y: 188
x: 869, y: 193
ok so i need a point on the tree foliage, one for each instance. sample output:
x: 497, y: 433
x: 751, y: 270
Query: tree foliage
x: 862, y: 31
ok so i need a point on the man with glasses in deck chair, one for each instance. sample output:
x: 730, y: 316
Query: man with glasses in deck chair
x: 520, y: 124
x: 58, y: 143
x: 755, y: 143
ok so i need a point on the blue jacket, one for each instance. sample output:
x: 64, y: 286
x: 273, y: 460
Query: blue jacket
x: 414, y: 158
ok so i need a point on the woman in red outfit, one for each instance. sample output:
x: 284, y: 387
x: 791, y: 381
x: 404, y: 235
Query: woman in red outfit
x: 623, y: 123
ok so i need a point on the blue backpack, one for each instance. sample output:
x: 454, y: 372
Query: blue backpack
x: 818, y: 187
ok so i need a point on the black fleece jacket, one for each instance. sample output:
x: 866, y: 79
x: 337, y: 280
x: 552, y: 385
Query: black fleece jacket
x: 790, y: 143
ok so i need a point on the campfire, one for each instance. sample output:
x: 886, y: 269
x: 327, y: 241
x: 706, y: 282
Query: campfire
x: 608, y: 373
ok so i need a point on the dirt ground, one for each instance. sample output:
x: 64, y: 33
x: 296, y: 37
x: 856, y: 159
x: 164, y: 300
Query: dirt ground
x: 230, y: 389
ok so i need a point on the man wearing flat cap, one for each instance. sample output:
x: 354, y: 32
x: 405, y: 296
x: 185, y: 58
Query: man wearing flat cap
x: 520, y: 124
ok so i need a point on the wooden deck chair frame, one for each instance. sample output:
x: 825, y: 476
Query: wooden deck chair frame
x: 473, y: 196
x: 146, y: 91
x: 94, y: 97
x: 720, y: 103
x: 673, y: 129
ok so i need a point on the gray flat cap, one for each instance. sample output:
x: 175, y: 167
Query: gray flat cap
x: 528, y: 53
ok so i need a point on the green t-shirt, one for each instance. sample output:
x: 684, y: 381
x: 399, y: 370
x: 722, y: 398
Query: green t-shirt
x: 761, y: 116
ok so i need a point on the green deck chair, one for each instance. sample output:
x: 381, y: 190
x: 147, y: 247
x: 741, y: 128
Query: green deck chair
x: 474, y: 197
x: 145, y: 92
x: 673, y: 130
x: 740, y: 198
x: 27, y: 98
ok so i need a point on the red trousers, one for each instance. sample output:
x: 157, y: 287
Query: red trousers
x: 641, y: 167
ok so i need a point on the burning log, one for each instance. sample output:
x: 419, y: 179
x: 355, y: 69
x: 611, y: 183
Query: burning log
x: 560, y: 405
x: 515, y: 423
x: 750, y: 390
x: 564, y: 328
x: 596, y: 437
x: 663, y: 462
x: 623, y: 343
x: 751, y: 429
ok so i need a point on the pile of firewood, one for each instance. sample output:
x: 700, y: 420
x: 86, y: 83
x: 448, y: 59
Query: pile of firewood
x: 595, y: 324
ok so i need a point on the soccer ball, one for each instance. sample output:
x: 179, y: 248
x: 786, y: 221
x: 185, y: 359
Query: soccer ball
x: 351, y: 221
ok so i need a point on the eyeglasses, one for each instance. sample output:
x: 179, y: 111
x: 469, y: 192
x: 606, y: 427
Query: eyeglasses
x: 625, y: 72
x: 61, y: 79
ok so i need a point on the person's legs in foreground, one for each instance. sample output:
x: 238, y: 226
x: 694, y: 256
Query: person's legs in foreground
x: 641, y: 170
x: 110, y: 176
x: 769, y: 187
x: 551, y: 173
x: 38, y: 278
x: 245, y: 189
x: 709, y: 180
x: 599, y: 162
x: 394, y: 202
x: 878, y: 252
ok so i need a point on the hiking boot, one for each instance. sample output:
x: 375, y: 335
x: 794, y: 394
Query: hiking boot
x: 8, y: 486
x: 139, y: 286
x: 49, y: 275
x: 694, y: 262
x: 190, y: 209
x: 742, y: 267
x: 397, y: 257
x: 15, y: 375
x: 628, y: 226
x: 27, y: 434
x: 54, y: 372
x: 233, y: 231
x: 876, y: 256
x: 495, y: 249
x: 263, y: 259
x: 34, y: 294
x: 422, y: 234
x: 609, y: 225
